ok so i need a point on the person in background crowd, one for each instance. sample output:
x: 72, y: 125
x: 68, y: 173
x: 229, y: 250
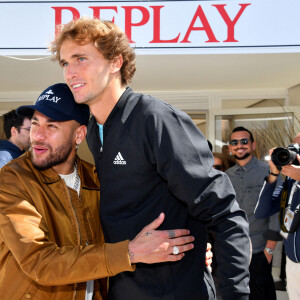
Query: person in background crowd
x: 150, y: 157
x: 16, y: 129
x: 247, y: 177
x: 51, y: 241
x: 228, y: 158
x: 225, y: 150
x: 269, y: 203
x: 219, y: 163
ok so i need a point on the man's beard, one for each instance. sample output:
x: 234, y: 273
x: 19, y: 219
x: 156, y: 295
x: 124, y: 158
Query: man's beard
x: 59, y: 156
x: 242, y: 157
x: 25, y: 145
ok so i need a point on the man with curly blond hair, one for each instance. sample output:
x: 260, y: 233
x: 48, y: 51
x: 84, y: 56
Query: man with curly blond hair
x: 151, y: 158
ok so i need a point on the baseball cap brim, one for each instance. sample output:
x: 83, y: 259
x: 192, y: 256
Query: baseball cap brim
x: 50, y: 112
x: 57, y: 103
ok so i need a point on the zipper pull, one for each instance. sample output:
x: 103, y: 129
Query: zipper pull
x: 101, y: 151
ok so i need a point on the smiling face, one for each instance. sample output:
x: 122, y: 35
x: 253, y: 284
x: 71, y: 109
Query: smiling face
x: 52, y: 142
x: 86, y: 71
x: 242, y: 153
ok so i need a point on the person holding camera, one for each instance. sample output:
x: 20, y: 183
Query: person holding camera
x: 247, y: 177
x: 285, y: 200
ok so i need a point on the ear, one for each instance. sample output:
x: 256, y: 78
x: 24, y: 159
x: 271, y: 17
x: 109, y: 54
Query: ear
x: 116, y: 64
x: 13, y: 131
x: 253, y: 146
x: 80, y: 134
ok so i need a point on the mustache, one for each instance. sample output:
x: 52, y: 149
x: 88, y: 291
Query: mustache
x: 42, y: 144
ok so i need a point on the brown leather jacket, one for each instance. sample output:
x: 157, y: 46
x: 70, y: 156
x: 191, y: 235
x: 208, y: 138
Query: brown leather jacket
x: 44, y: 232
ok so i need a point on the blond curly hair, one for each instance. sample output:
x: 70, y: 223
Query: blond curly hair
x: 107, y: 37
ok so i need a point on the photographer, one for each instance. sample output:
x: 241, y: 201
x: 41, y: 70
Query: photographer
x: 286, y: 200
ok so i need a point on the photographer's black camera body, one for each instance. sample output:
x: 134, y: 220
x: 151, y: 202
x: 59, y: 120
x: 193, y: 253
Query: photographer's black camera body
x: 286, y: 156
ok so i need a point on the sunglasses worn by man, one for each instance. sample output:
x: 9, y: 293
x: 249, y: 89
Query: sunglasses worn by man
x: 242, y: 142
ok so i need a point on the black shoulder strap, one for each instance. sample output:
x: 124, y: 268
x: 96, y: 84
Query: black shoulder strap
x: 283, y: 201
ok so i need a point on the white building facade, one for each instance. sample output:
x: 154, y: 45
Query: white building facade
x: 226, y: 63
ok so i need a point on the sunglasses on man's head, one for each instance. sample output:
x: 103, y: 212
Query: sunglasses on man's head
x: 242, y: 141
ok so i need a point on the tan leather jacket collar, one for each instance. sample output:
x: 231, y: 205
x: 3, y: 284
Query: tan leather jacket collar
x: 49, y: 176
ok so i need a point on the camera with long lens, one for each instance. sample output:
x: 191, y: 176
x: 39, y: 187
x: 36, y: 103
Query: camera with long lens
x: 285, y: 156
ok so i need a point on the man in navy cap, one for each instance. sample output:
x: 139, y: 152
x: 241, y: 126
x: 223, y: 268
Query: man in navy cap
x: 51, y: 241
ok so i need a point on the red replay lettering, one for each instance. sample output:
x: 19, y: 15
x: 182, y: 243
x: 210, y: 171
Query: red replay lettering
x: 206, y: 27
x: 97, y: 9
x: 58, y: 10
x: 156, y: 27
x: 145, y: 17
x: 128, y: 19
x: 230, y: 24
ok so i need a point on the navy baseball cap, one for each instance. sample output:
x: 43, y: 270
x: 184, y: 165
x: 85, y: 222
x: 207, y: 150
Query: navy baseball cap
x: 57, y: 103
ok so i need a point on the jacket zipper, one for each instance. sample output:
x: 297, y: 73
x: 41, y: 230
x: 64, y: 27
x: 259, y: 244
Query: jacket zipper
x: 75, y: 291
x: 101, y: 142
x: 101, y: 151
x: 78, y: 229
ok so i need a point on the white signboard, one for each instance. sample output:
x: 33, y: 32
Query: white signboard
x: 160, y: 27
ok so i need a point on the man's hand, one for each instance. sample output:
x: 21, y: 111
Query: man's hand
x: 268, y: 256
x: 271, y: 245
x: 273, y: 168
x: 292, y: 171
x: 208, y: 256
x: 154, y: 246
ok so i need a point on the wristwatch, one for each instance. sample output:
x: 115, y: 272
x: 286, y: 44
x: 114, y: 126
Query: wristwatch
x: 276, y: 175
x: 269, y: 251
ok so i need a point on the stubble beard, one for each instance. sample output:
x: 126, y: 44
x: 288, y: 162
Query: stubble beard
x: 56, y: 157
x: 242, y: 157
x: 26, y: 145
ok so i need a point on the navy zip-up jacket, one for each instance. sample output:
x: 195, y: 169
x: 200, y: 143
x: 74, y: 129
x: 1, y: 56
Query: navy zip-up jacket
x: 8, y: 151
x: 269, y: 204
x: 154, y: 159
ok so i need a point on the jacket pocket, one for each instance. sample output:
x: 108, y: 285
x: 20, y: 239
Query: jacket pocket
x: 14, y: 282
